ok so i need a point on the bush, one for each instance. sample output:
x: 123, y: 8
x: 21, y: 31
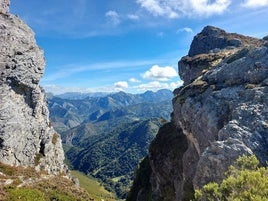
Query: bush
x: 245, y: 181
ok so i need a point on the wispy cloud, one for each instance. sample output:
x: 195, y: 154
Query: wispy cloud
x: 57, y: 89
x: 118, y: 86
x: 133, y: 17
x: 113, y: 17
x: 157, y: 9
x: 134, y: 80
x: 160, y: 34
x: 255, y: 3
x: 160, y: 73
x: 180, y: 8
x: 155, y: 85
x: 185, y: 29
x: 71, y: 69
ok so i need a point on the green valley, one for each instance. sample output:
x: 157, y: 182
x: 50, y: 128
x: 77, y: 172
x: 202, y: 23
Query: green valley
x: 106, y: 137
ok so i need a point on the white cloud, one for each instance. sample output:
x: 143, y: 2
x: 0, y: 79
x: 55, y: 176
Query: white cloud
x: 255, y: 3
x: 175, y: 9
x: 113, y: 17
x: 69, y: 70
x: 133, y: 17
x: 134, y: 80
x: 157, y: 9
x: 121, y: 85
x: 185, y: 29
x: 118, y: 86
x: 160, y: 73
x: 205, y: 7
x: 56, y: 89
x: 155, y: 86
x: 174, y: 85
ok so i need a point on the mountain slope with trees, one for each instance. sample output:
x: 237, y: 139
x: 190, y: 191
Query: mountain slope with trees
x: 106, y: 137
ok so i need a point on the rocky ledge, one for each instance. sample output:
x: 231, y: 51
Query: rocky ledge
x: 220, y: 113
x: 26, y: 135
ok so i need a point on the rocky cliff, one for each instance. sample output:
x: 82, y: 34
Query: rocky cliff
x: 26, y: 135
x: 220, y: 113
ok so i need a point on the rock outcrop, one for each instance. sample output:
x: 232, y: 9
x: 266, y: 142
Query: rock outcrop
x: 4, y: 6
x: 26, y: 135
x: 221, y: 110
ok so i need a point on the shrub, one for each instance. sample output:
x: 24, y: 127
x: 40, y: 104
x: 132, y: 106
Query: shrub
x: 245, y: 181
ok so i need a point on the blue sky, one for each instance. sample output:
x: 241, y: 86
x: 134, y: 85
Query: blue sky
x: 127, y: 45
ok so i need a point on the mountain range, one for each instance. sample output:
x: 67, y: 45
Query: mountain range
x: 106, y: 137
x: 69, y: 113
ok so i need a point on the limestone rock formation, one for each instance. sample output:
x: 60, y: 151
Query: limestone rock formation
x: 26, y: 135
x: 222, y: 110
x: 4, y: 6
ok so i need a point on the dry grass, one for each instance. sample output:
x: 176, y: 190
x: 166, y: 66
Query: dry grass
x: 19, y: 183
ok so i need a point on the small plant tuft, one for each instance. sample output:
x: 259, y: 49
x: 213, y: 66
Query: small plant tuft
x: 55, y: 138
x: 37, y: 158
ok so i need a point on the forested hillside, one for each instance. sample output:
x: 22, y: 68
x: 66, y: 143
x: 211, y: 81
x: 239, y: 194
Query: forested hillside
x: 106, y: 137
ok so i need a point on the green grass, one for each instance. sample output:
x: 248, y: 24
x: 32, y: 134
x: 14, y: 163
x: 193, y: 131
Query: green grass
x: 93, y: 187
x: 25, y: 194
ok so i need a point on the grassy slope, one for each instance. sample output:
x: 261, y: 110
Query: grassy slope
x: 25, y: 184
x: 18, y: 183
x: 93, y: 187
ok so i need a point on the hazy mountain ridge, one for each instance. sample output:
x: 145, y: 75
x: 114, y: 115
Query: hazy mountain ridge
x: 66, y: 114
x: 80, y: 95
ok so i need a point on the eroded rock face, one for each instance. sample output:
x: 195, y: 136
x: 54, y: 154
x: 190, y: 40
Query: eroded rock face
x: 26, y: 135
x: 165, y: 156
x: 209, y: 48
x: 222, y: 110
x: 4, y: 6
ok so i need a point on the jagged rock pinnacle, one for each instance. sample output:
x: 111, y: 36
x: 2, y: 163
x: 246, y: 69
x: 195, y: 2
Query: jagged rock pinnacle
x: 26, y: 135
